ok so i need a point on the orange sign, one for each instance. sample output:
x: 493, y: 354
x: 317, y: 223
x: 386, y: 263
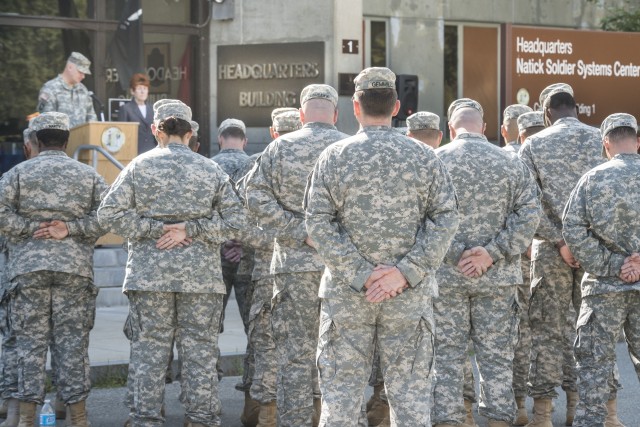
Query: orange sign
x: 603, y: 68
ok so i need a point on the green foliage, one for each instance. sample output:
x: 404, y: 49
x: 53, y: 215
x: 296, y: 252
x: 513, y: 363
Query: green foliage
x: 622, y: 20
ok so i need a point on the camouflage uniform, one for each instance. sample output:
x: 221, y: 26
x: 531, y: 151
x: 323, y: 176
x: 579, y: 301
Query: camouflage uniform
x: 57, y: 95
x: 378, y: 197
x: 275, y: 192
x: 49, y: 274
x: 178, y: 290
x: 9, y: 360
x: 557, y: 157
x: 601, y: 229
x: 482, y: 308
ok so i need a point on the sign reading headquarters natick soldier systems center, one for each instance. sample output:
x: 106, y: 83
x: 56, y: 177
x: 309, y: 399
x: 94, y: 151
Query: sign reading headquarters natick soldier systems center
x: 255, y: 79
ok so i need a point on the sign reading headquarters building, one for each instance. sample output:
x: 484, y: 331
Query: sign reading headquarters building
x: 255, y: 79
x: 602, y: 67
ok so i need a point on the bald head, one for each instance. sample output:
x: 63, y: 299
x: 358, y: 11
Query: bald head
x: 318, y: 110
x: 466, y: 119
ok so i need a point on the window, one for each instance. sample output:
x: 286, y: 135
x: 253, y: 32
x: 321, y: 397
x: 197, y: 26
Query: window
x: 376, y: 37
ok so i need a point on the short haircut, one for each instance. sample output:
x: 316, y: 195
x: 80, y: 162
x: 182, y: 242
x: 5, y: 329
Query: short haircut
x: 139, y: 79
x: 233, y: 132
x: 52, y: 137
x: 377, y: 102
x: 562, y: 100
x: 425, y: 134
x: 174, y: 126
x: 620, y: 134
x: 530, y: 131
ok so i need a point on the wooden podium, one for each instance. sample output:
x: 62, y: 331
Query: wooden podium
x: 120, y: 139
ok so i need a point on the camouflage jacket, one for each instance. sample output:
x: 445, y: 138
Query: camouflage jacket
x: 557, y: 157
x: 600, y: 223
x: 379, y: 197
x: 275, y: 193
x: 74, y: 101
x: 171, y: 185
x: 233, y: 162
x: 512, y: 147
x: 48, y: 187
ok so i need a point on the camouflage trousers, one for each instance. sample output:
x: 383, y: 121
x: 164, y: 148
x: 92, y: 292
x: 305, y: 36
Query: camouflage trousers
x: 402, y: 330
x: 48, y: 306
x: 523, y: 347
x: 555, y: 287
x: 263, y: 385
x: 489, y: 316
x: 601, y: 318
x: 194, y: 319
x: 295, y: 316
x: 9, y: 360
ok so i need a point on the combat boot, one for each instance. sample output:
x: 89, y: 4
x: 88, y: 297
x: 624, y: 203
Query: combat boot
x: 470, y: 421
x: 498, y: 423
x: 192, y: 424
x: 541, y: 413
x: 521, y: 415
x: 13, y: 413
x: 78, y: 414
x: 267, y: 415
x: 4, y: 408
x: 27, y: 414
x: 60, y: 409
x: 572, y: 403
x: 377, y: 409
x: 249, y: 417
x: 317, y: 411
x: 612, y: 415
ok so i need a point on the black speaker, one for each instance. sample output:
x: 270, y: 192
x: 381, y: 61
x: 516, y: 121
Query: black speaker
x: 407, y: 88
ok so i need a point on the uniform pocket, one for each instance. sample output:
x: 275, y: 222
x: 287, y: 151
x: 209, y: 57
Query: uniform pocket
x: 515, y: 322
x: 325, y: 356
x: 583, y: 346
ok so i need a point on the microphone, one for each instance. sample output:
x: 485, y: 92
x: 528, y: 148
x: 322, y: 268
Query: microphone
x: 100, y: 104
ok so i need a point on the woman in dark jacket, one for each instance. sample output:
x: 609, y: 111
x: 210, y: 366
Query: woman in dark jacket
x: 139, y: 110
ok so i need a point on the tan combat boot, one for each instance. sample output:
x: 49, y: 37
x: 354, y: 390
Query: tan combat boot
x: 78, y: 414
x: 612, y: 415
x: 521, y: 414
x: 497, y: 423
x: 13, y: 413
x: 541, y: 413
x: 249, y: 417
x: 470, y: 421
x: 267, y: 415
x: 377, y: 409
x: 27, y: 414
x: 60, y: 408
x: 572, y: 403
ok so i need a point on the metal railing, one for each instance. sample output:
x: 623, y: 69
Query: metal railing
x: 94, y: 156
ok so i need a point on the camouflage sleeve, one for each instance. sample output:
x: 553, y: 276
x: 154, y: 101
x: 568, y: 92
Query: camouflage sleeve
x: 348, y: 267
x: 263, y: 202
x: 521, y: 222
x: 12, y: 223
x: 91, y: 113
x: 88, y: 225
x: 117, y: 212
x: 592, y: 255
x: 46, y: 101
x: 435, y: 235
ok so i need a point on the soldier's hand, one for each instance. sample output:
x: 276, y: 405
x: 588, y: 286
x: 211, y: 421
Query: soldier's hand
x: 52, y: 230
x: 528, y: 253
x: 630, y: 271
x: 310, y: 242
x: 391, y: 284
x: 379, y: 271
x: 475, y: 262
x: 42, y: 232
x: 232, y: 254
x: 568, y: 257
x: 175, y: 235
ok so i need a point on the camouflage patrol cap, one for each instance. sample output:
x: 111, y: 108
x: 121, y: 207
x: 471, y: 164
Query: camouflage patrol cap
x: 80, y: 61
x: 160, y: 102
x: 375, y: 78
x: 319, y: 91
x: 194, y: 127
x: 618, y: 120
x: 513, y: 111
x: 280, y: 110
x: 529, y: 120
x: 179, y: 110
x: 232, y: 123
x: 423, y: 120
x: 287, y: 121
x: 464, y: 103
x: 50, y: 120
x: 555, y: 88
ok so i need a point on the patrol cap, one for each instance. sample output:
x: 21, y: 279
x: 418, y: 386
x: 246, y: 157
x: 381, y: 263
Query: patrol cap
x: 319, y: 91
x: 80, y: 61
x: 559, y: 87
x: 375, y: 78
x: 618, y: 120
x: 179, y: 110
x: 160, y: 102
x: 194, y: 127
x: 50, y: 120
x: 464, y: 103
x: 423, y: 120
x: 515, y: 110
x: 529, y: 120
x: 287, y: 121
x: 232, y: 123
x: 280, y: 110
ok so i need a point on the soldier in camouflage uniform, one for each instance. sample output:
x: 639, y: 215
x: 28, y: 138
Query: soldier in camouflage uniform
x: 274, y: 193
x: 600, y: 226
x: 184, y: 208
x: 477, y: 298
x: 509, y: 128
x: 529, y: 123
x: 48, y: 211
x: 381, y: 210
x: 557, y: 157
x: 66, y: 93
x: 425, y: 127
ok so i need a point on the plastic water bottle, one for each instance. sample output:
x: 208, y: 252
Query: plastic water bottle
x: 47, y: 415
